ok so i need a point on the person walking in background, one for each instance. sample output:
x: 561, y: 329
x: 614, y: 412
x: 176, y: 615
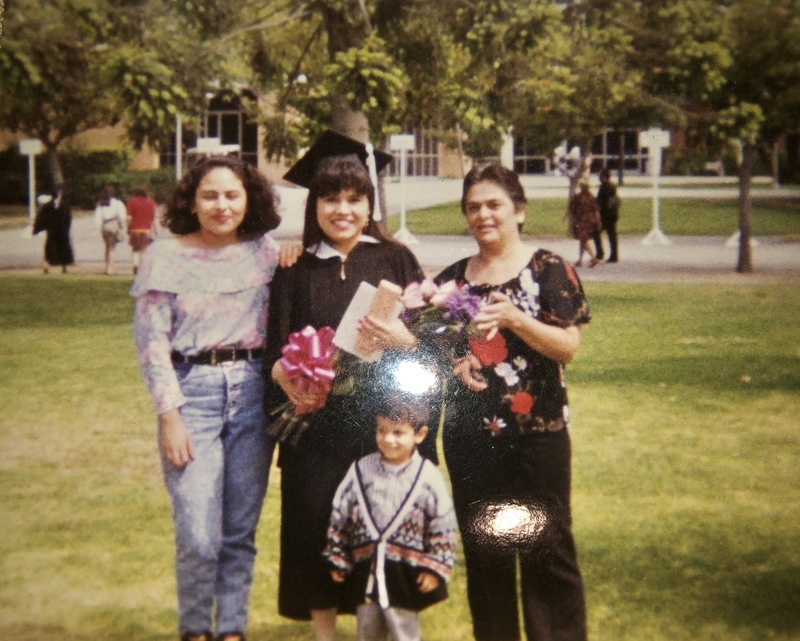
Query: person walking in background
x: 55, y: 219
x: 392, y: 534
x: 109, y: 216
x: 505, y: 434
x: 141, y: 223
x: 583, y: 214
x: 200, y: 326
x: 608, y: 201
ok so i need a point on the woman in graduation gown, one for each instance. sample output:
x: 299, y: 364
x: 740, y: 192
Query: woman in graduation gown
x: 343, y: 246
x: 55, y: 218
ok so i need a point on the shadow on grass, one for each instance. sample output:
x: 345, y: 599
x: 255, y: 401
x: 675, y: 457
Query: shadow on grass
x: 763, y: 599
x: 712, y: 373
x: 714, y: 578
x: 34, y: 301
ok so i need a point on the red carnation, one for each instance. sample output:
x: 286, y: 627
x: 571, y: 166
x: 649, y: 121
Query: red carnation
x: 521, y: 403
x: 489, y: 352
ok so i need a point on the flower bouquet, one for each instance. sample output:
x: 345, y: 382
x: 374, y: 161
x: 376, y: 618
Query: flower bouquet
x: 308, y: 359
x: 441, y: 313
x: 444, y: 315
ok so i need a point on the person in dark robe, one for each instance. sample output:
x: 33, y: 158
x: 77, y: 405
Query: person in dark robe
x: 55, y: 219
x: 608, y: 201
x: 344, y: 246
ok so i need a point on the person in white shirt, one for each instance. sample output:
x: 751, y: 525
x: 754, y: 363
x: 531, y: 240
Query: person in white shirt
x: 110, y: 215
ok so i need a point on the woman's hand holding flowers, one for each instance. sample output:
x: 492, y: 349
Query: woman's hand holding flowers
x: 391, y: 335
x: 299, y: 397
x: 500, y: 312
x: 468, y: 370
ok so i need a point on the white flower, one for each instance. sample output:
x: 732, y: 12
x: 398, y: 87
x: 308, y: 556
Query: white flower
x: 508, y: 373
x: 531, y: 289
x: 528, y: 284
x: 520, y: 363
x: 495, y: 425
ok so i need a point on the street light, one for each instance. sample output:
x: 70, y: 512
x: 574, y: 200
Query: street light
x: 655, y: 140
x: 403, y: 143
x: 31, y: 147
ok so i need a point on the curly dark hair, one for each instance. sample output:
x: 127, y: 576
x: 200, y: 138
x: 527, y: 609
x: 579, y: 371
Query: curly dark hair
x: 262, y: 201
x: 332, y: 176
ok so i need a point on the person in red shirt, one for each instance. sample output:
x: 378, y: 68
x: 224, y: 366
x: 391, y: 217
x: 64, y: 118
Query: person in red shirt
x: 141, y: 223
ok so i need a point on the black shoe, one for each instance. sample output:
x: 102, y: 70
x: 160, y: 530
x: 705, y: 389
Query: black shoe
x: 600, y: 255
x: 613, y: 259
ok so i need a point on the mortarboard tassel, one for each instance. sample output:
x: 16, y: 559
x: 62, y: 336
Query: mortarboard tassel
x: 373, y: 175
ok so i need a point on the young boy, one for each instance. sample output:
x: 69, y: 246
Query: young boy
x: 392, y: 534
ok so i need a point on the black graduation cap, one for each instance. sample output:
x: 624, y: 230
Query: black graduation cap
x: 332, y: 144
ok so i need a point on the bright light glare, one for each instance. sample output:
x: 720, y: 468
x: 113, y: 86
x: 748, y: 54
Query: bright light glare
x: 515, y: 521
x: 414, y: 378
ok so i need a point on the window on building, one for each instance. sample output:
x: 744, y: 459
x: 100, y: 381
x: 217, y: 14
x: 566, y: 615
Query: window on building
x: 226, y: 119
x: 423, y: 161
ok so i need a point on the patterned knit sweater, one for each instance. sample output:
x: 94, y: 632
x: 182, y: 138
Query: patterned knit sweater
x: 389, y: 524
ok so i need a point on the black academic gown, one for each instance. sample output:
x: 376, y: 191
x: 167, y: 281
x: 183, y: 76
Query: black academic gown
x: 56, y: 223
x: 317, y: 292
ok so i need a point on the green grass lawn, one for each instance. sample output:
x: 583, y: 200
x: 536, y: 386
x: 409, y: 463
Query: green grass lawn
x: 686, y: 403
x: 679, y: 217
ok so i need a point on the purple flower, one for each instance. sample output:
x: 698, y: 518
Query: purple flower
x: 463, y: 305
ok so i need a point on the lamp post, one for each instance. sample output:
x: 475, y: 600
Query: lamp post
x: 31, y: 147
x: 655, y: 140
x: 403, y: 143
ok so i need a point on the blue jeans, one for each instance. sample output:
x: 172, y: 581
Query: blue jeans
x: 217, y: 497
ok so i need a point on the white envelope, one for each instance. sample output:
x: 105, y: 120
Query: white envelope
x: 347, y: 334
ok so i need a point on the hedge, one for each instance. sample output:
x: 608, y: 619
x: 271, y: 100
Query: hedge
x: 85, y: 174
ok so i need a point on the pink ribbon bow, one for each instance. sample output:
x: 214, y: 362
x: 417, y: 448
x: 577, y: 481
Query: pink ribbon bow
x: 308, y: 360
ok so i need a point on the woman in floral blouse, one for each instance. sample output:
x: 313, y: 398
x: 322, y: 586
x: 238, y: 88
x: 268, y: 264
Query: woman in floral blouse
x: 200, y: 324
x: 505, y: 437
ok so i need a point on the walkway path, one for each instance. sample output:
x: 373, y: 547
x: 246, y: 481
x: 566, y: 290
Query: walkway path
x: 706, y: 259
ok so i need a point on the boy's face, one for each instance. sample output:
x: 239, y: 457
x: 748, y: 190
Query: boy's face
x: 397, y: 440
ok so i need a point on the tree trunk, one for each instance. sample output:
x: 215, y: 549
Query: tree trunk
x: 792, y: 166
x: 346, y: 28
x: 579, y: 172
x: 745, y: 264
x: 775, y: 150
x: 54, y: 169
x: 347, y: 122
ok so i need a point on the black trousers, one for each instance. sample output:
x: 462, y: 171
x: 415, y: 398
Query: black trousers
x: 610, y: 227
x: 512, y: 504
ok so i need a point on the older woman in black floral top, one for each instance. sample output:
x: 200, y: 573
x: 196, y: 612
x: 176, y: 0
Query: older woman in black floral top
x: 505, y: 436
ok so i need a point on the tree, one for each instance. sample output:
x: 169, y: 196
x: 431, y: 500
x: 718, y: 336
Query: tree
x: 586, y: 84
x: 50, y: 66
x: 73, y: 65
x: 760, y: 100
